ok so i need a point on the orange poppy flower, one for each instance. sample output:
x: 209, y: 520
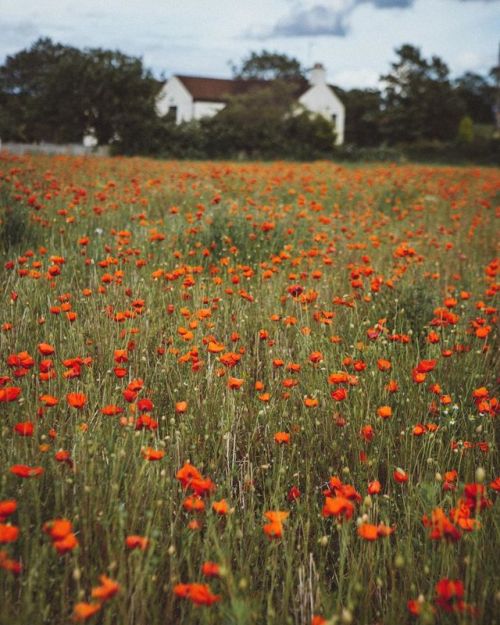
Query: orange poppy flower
x: 311, y: 402
x: 8, y: 533
x: 193, y: 504
x: 83, y: 611
x: 8, y: 564
x: 339, y: 395
x: 111, y: 410
x: 230, y: 359
x: 282, y: 438
x: 188, y: 473
x: 215, y: 348
x: 7, y: 508
x: 66, y: 544
x: 23, y: 470
x: 151, y: 454
x: 106, y: 590
x: 338, y: 378
x: 367, y: 433
x: 135, y: 541
x: 76, y: 400
x: 315, y: 357
x: 392, y: 386
x: 384, y: 530
x: 210, y: 569
x: 449, y: 594
x: 338, y: 507
x: 274, y: 529
x: 58, y: 528
x: 385, y: 412
x: 235, y: 383
x: 49, y: 400
x: 24, y: 429
x: 400, y: 476
x: 45, y: 349
x: 199, y: 594
x: 383, y: 364
x: 368, y: 531
x: 9, y: 393
x: 220, y: 507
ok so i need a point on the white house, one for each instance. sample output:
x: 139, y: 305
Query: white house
x: 193, y: 97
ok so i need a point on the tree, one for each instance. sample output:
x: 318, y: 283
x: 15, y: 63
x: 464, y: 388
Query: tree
x: 266, y: 123
x: 478, y: 95
x: 59, y: 94
x: 363, y: 110
x: 267, y: 65
x: 119, y: 98
x: 419, y: 101
x: 40, y: 93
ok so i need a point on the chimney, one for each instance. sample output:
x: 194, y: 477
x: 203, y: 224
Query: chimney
x: 318, y: 75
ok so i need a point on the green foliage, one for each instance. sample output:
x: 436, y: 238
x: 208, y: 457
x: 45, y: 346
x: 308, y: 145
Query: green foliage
x: 56, y: 93
x: 119, y: 97
x: 419, y: 100
x: 267, y: 65
x: 478, y: 95
x: 16, y: 228
x: 41, y: 96
x: 363, y: 111
x: 483, y: 150
x: 465, y: 130
x: 266, y: 123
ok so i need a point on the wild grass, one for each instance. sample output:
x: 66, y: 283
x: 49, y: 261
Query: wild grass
x: 234, y: 238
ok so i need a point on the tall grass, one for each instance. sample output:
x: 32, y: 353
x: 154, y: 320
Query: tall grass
x: 245, y: 234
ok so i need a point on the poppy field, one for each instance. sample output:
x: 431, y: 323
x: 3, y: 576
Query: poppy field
x: 237, y: 394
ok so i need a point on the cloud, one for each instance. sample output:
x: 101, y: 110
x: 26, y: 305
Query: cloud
x: 318, y: 20
x: 389, y: 4
x: 329, y: 18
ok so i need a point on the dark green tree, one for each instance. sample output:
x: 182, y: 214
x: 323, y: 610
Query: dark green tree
x: 41, y: 95
x: 56, y: 93
x: 267, y: 65
x: 119, y: 97
x: 363, y: 110
x: 419, y: 101
x: 478, y: 95
x: 266, y: 123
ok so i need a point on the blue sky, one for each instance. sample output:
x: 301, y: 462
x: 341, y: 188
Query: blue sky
x: 354, y: 39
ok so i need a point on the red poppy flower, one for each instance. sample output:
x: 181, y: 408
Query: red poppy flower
x: 23, y: 470
x: 76, y: 400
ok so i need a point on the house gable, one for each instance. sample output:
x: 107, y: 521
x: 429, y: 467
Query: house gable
x: 321, y: 99
x: 175, y: 99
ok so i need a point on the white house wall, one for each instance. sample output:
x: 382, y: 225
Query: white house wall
x: 175, y: 94
x: 207, y: 109
x: 321, y: 99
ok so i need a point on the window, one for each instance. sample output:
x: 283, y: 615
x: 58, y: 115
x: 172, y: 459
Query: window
x: 334, y: 120
x: 172, y: 113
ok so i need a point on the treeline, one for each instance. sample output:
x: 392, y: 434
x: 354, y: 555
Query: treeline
x: 60, y: 94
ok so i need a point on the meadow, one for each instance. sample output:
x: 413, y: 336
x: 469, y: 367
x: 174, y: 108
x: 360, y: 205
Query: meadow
x: 241, y: 393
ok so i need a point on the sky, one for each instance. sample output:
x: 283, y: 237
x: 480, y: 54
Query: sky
x: 354, y: 39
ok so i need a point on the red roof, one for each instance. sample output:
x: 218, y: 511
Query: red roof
x: 218, y: 89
